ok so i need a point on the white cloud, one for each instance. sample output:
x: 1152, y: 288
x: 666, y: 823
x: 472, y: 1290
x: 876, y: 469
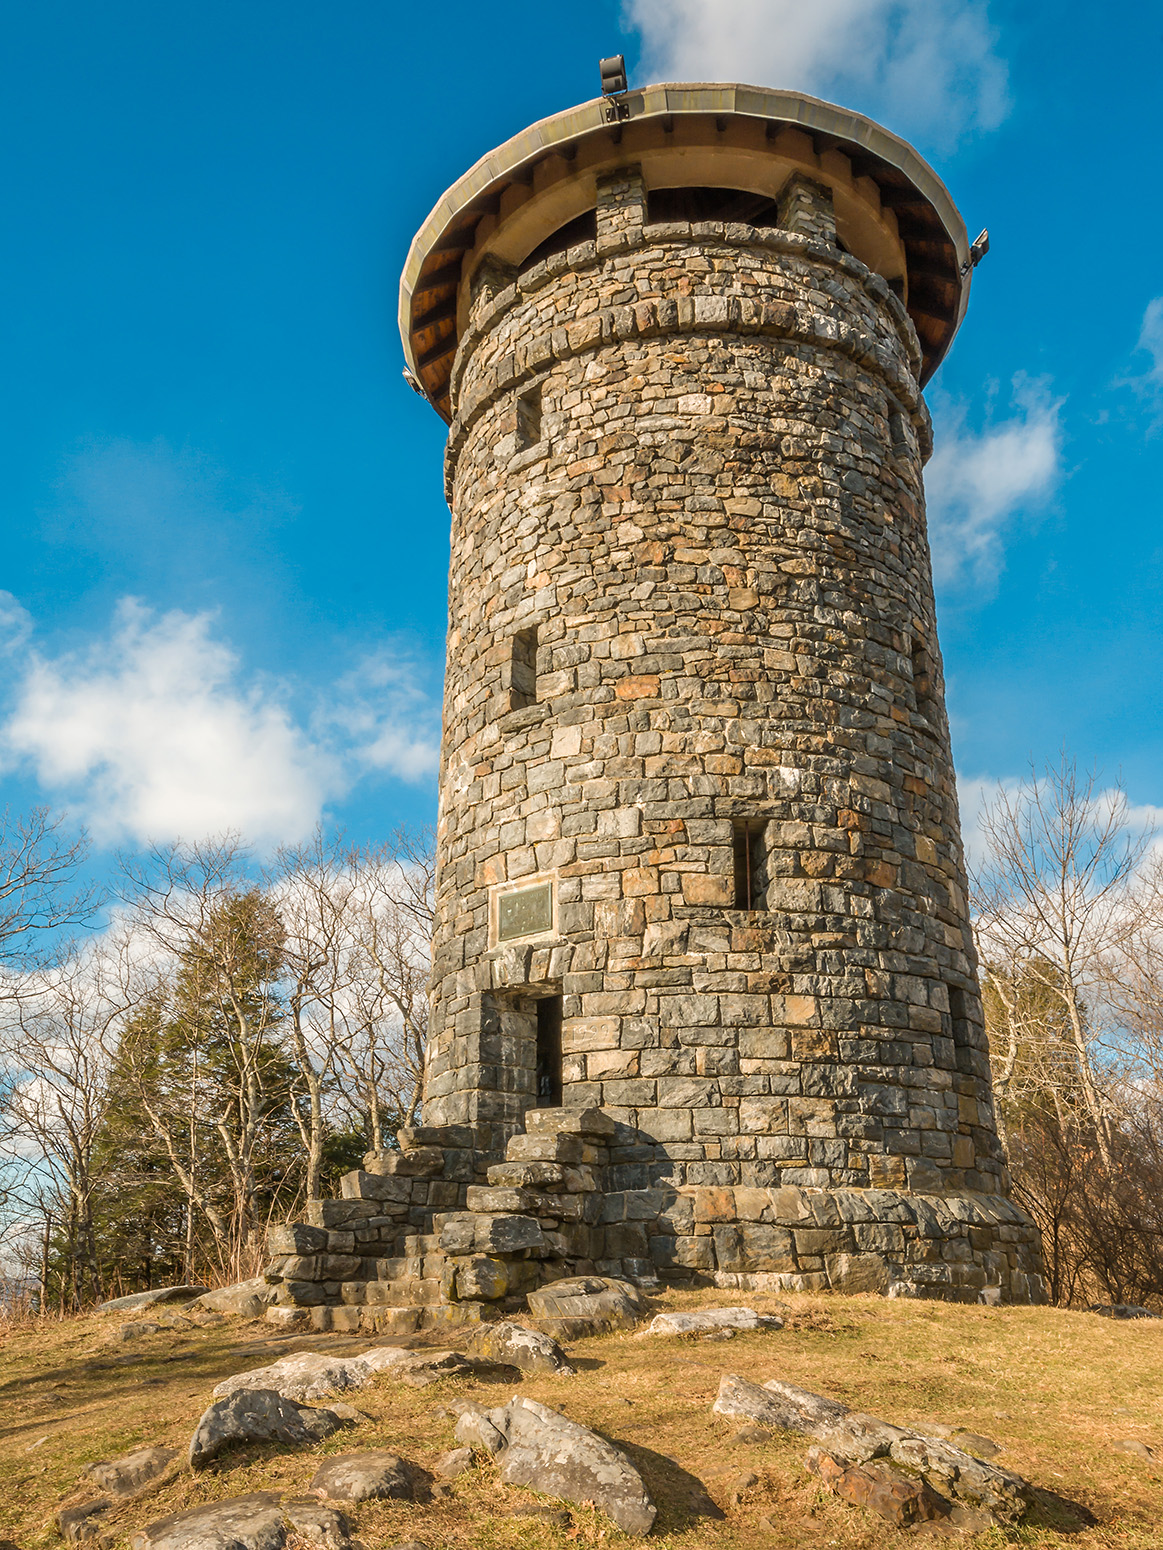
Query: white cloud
x: 155, y: 733
x: 388, y: 717
x: 1151, y: 339
x: 921, y: 64
x: 978, y: 482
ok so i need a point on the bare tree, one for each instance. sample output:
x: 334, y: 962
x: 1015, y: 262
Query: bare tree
x: 1055, y: 903
x: 358, y: 924
x: 54, y: 1046
x: 39, y: 894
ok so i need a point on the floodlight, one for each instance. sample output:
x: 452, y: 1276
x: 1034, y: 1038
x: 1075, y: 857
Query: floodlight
x: 980, y: 248
x: 613, y: 75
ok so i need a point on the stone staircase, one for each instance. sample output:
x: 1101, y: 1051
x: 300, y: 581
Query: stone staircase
x: 416, y: 1241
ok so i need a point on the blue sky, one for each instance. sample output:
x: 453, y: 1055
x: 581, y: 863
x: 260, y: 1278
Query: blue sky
x: 225, y: 538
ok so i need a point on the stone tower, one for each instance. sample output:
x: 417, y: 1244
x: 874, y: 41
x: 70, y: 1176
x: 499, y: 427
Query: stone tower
x: 699, y: 855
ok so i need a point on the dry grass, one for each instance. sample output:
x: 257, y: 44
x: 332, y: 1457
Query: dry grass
x: 1056, y: 1389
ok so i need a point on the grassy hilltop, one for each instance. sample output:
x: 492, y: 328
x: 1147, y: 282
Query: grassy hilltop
x: 1056, y: 1389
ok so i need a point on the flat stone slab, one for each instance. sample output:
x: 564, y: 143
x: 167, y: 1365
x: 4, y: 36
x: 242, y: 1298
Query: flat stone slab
x: 306, y: 1375
x: 545, y: 1451
x: 153, y: 1299
x: 132, y: 1472
x: 586, y: 1305
x: 253, y: 1522
x: 515, y: 1346
x: 245, y: 1299
x: 375, y: 1475
x: 706, y: 1320
x: 258, y: 1521
x: 870, y: 1461
x: 256, y: 1415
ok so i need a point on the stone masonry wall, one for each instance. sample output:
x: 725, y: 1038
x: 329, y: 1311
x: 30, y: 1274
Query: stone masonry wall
x: 689, y: 458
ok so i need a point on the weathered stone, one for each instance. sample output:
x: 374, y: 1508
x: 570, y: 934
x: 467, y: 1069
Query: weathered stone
x: 1122, y: 1310
x: 79, y: 1521
x: 709, y: 1319
x: 516, y: 1346
x: 903, y: 1499
x: 307, y: 1375
x: 573, y: 1308
x: 1133, y: 1445
x: 547, y: 1452
x: 452, y: 1464
x: 256, y: 1415
x: 320, y: 1527
x: 133, y: 1472
x: 246, y: 1299
x: 253, y: 1522
x: 359, y: 1477
x: 152, y: 1299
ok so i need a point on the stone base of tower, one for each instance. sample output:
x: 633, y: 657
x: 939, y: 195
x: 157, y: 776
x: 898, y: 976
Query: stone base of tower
x: 435, y: 1234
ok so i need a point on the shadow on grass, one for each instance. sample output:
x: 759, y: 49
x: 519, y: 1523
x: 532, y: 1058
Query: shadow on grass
x: 681, y: 1498
x: 1059, y: 1513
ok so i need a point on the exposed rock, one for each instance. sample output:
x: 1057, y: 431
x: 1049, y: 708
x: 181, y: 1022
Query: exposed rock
x: 288, y: 1318
x: 257, y: 1415
x: 707, y: 1320
x: 134, y: 1331
x: 751, y: 1434
x: 516, y: 1346
x: 454, y: 1463
x: 789, y: 1409
x: 547, y: 1452
x: 586, y: 1305
x: 1133, y: 1445
x: 253, y: 1522
x: 971, y: 1494
x: 476, y: 1429
x: 131, y: 1473
x: 79, y: 1521
x: 970, y: 1442
x: 245, y: 1299
x: 160, y: 1294
x: 305, y: 1375
x: 902, y: 1499
x: 359, y: 1477
x: 420, y: 1368
x: 1122, y: 1310
x: 320, y: 1526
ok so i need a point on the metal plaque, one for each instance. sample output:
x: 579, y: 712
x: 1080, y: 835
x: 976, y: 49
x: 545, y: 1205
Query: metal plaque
x: 525, y: 912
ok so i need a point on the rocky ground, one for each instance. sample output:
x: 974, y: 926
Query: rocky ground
x: 1073, y: 1402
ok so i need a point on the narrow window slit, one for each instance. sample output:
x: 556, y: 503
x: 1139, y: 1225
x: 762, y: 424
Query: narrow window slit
x: 923, y: 680
x: 529, y: 418
x: 748, y: 837
x: 523, y: 669
x: 549, y: 1051
x: 959, y: 1016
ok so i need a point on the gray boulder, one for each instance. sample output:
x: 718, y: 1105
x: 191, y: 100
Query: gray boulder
x: 870, y: 1461
x: 159, y: 1295
x: 245, y: 1299
x: 253, y: 1522
x: 257, y: 1415
x: 359, y: 1477
x: 306, y: 1375
x: 452, y: 1464
x: 1122, y: 1310
x: 82, y: 1520
x: 545, y: 1451
x: 132, y: 1473
x: 317, y: 1525
x: 516, y: 1346
x: 586, y: 1305
x: 708, y: 1321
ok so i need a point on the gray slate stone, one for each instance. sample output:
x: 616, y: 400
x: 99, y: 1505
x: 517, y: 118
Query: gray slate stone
x: 306, y: 1375
x: 131, y: 1473
x: 245, y: 1299
x: 586, y: 1305
x: 517, y: 1346
x: 160, y: 1294
x: 359, y: 1477
x: 256, y: 1415
x: 252, y: 1522
x: 547, y: 1452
